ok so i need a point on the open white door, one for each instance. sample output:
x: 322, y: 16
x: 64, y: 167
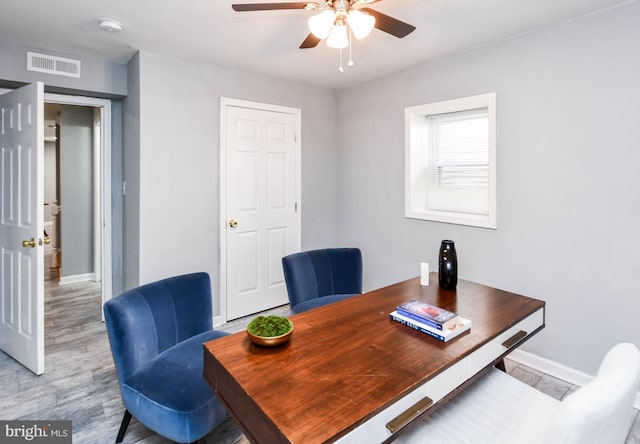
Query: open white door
x: 260, y: 182
x: 22, y: 226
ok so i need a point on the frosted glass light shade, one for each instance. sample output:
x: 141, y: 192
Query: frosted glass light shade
x: 320, y: 24
x: 338, y: 37
x: 361, y: 23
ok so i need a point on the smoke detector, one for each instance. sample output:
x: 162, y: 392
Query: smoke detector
x: 110, y: 25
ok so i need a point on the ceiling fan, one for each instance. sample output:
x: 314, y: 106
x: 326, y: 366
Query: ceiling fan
x: 331, y: 23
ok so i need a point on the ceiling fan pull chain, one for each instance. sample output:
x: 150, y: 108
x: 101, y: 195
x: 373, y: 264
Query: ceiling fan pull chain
x: 340, y: 68
x: 350, y: 62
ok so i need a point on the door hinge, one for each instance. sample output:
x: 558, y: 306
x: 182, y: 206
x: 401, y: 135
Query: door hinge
x: 124, y: 188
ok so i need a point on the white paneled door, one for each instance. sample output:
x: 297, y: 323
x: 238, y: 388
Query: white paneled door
x: 261, y: 155
x: 22, y: 226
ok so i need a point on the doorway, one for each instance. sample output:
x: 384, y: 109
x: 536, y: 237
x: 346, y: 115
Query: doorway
x: 72, y: 204
x: 85, y: 178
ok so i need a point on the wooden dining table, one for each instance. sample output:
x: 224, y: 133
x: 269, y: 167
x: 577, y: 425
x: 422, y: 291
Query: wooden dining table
x: 351, y: 374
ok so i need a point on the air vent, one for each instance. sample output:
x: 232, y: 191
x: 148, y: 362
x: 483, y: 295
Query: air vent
x: 53, y: 65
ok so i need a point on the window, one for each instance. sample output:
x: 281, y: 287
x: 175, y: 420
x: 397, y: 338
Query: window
x: 450, y: 161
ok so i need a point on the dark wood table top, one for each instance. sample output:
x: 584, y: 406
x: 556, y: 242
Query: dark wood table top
x: 347, y: 361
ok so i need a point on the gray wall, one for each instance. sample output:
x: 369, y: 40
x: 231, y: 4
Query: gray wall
x: 117, y: 211
x: 49, y: 178
x: 76, y: 189
x: 99, y: 78
x: 174, y: 214
x: 568, y: 133
x: 131, y: 176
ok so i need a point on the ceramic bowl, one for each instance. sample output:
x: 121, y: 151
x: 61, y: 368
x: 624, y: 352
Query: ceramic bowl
x: 271, y: 341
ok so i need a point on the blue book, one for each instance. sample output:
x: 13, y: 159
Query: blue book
x: 431, y: 315
x: 442, y: 335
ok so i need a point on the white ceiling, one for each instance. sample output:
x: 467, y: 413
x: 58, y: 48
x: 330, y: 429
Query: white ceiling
x: 210, y: 31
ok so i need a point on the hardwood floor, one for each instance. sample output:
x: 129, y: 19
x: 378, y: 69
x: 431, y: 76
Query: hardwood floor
x: 80, y: 382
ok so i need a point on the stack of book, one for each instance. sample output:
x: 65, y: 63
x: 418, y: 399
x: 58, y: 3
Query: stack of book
x: 435, y: 321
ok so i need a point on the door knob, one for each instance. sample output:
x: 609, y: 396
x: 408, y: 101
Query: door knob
x: 29, y: 243
x: 233, y: 223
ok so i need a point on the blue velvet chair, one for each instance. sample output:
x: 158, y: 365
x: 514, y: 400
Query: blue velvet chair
x: 320, y: 277
x: 156, y: 333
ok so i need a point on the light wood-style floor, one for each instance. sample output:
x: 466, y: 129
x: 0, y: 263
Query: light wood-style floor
x: 80, y: 383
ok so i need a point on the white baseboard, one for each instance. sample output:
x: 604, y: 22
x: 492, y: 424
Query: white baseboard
x: 64, y: 280
x: 218, y: 321
x: 556, y: 370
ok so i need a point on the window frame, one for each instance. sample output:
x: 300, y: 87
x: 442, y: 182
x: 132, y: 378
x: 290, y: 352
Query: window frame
x: 417, y: 158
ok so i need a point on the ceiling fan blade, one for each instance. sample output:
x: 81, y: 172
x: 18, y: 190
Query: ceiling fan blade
x: 310, y: 42
x: 273, y: 6
x: 390, y: 25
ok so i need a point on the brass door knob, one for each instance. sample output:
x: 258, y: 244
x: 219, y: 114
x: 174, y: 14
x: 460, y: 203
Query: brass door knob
x: 233, y: 223
x: 29, y: 243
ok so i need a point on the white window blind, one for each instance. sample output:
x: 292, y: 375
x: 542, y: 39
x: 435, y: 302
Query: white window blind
x: 458, y: 169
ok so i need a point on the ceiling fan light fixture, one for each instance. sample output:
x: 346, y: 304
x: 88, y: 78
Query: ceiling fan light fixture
x: 320, y: 24
x: 338, y: 36
x: 362, y: 24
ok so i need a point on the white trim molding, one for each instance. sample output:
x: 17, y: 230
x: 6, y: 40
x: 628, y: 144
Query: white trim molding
x: 86, y: 277
x: 444, y: 176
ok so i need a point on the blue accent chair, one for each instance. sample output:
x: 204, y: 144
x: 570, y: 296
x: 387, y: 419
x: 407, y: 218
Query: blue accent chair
x: 320, y: 277
x: 156, y: 333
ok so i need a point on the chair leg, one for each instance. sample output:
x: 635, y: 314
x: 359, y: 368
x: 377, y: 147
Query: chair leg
x: 123, y: 425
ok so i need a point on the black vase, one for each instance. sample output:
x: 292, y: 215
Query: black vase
x: 448, y: 265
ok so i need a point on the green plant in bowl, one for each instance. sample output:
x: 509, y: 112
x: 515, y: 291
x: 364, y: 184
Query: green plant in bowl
x: 269, y: 330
